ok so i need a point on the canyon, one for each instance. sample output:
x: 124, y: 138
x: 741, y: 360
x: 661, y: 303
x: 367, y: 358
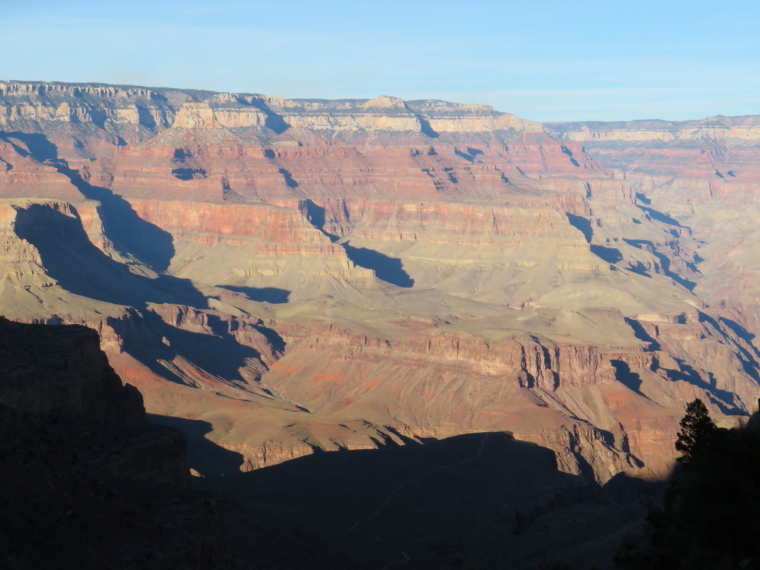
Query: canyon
x: 312, y: 275
x: 89, y: 483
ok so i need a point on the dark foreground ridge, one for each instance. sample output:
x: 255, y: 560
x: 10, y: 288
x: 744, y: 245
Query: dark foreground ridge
x: 482, y: 501
x: 86, y: 482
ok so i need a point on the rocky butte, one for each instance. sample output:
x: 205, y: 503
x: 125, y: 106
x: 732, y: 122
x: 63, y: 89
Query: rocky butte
x: 304, y: 275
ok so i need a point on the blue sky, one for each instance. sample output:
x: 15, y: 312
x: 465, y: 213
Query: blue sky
x: 542, y: 60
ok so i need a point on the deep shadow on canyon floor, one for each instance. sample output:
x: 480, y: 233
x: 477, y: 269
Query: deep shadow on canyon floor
x: 481, y: 501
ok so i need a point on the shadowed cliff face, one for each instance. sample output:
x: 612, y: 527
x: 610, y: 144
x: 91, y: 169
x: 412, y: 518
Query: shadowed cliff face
x: 81, y: 268
x: 320, y: 275
x: 61, y: 371
x: 87, y: 482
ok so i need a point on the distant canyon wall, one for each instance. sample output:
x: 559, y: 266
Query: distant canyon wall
x: 321, y: 274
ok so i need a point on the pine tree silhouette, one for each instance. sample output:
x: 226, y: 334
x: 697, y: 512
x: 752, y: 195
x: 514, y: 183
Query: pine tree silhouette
x: 697, y: 429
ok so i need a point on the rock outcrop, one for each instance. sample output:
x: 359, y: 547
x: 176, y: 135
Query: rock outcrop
x: 61, y: 371
x: 83, y: 469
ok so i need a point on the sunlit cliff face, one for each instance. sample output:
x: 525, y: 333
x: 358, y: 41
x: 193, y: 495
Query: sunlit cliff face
x: 337, y: 274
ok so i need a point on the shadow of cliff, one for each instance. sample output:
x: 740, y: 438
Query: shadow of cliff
x: 641, y: 334
x: 290, y: 182
x: 129, y: 233
x: 152, y: 341
x: 742, y: 333
x: 581, y: 224
x: 203, y: 455
x: 478, y: 500
x: 389, y: 269
x: 470, y: 155
x: 609, y: 254
x: 37, y: 145
x: 660, y: 217
x: 664, y: 262
x: 627, y: 377
x: 569, y: 153
x: 78, y: 266
x: 273, y: 295
x: 723, y: 399
x: 747, y: 357
x: 425, y: 127
x: 750, y: 357
x: 315, y: 215
x: 273, y: 121
x: 189, y: 174
x: 385, y: 267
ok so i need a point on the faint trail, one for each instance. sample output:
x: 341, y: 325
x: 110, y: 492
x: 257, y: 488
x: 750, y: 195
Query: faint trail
x: 396, y: 491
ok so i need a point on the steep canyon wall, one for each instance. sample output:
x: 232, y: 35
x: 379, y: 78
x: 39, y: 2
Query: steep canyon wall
x: 310, y: 275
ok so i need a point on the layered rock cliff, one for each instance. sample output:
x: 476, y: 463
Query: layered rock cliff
x: 286, y: 276
x: 703, y: 176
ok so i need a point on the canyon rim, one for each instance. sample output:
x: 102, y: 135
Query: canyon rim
x: 314, y: 275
